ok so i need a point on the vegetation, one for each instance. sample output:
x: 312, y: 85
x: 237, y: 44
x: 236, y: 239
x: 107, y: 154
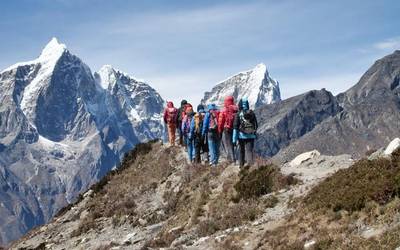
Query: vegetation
x: 351, y: 189
x: 261, y: 181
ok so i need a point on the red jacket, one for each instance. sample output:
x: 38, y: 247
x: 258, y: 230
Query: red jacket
x: 170, y: 114
x: 227, y: 115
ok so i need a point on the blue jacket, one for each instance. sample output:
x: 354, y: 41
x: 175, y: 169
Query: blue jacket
x: 206, y: 121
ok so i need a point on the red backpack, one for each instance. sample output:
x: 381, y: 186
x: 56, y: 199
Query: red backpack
x: 230, y: 114
x: 171, y: 117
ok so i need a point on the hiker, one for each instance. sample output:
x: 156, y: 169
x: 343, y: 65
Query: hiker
x: 188, y: 108
x: 181, y: 114
x: 225, y: 127
x: 244, y: 130
x: 210, y: 129
x: 200, y: 141
x: 170, y: 119
x: 186, y: 122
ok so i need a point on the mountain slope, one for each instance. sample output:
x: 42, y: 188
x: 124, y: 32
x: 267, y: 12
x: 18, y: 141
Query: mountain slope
x: 284, y: 122
x: 370, y: 116
x: 151, y: 204
x: 60, y: 132
x: 255, y: 84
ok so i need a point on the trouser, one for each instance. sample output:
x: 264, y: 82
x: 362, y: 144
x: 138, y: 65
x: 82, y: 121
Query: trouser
x: 190, y: 148
x: 171, y: 133
x: 228, y: 145
x: 200, y: 145
x: 181, y: 136
x: 246, y: 147
x: 213, y: 145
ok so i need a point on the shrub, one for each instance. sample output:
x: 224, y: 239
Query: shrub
x: 260, y: 181
x: 351, y: 189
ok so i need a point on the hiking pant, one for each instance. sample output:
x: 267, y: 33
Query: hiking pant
x: 246, y: 148
x: 182, y: 140
x: 190, y: 148
x: 200, y: 146
x: 228, y: 144
x: 213, y: 145
x: 171, y: 133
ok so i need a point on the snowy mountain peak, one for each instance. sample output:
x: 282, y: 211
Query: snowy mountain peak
x: 255, y: 84
x: 54, y: 49
x: 106, y: 76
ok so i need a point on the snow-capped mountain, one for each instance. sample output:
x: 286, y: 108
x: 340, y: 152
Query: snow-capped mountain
x: 140, y: 102
x: 61, y: 129
x: 255, y: 84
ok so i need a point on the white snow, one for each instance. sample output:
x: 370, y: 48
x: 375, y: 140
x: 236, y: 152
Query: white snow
x: 255, y: 84
x: 47, y: 61
x: 107, y: 76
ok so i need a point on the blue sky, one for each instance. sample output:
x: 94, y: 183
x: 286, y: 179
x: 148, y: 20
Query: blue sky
x: 183, y: 48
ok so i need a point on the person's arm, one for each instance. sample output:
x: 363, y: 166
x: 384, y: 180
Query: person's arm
x: 191, y: 129
x: 205, y: 124
x: 235, y: 135
x: 165, y: 115
x: 183, y: 124
x: 221, y: 122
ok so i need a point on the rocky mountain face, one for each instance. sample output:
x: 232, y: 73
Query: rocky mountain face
x: 255, y: 84
x: 284, y: 122
x: 369, y: 118
x: 63, y: 128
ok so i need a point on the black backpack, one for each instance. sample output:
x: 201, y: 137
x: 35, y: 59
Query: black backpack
x: 247, y: 125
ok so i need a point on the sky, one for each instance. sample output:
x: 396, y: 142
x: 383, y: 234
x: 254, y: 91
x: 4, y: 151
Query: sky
x: 184, y: 48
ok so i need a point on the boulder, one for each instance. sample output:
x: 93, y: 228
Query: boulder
x: 304, y: 157
x: 393, y: 145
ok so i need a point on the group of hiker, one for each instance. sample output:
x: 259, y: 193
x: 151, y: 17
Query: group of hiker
x: 208, y: 129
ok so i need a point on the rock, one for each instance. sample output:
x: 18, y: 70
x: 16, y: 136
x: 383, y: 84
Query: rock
x: 88, y: 193
x: 142, y: 222
x: 128, y: 239
x: 219, y: 238
x: 304, y: 157
x: 393, y: 145
x: 309, y: 244
x: 377, y: 154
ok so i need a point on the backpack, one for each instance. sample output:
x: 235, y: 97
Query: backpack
x: 213, y: 126
x: 171, y: 115
x: 246, y: 125
x: 230, y: 116
x: 187, y: 121
x: 198, y: 123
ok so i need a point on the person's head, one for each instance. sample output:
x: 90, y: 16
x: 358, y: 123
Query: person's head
x: 183, y: 102
x: 200, y: 108
x: 188, y: 108
x: 211, y: 106
x: 244, y: 104
x: 170, y: 104
x: 229, y: 100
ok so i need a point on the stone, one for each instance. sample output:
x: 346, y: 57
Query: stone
x: 393, y: 145
x: 304, y: 157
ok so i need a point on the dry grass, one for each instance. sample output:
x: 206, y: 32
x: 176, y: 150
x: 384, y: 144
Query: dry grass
x: 337, y: 210
x: 115, y: 195
x: 351, y: 189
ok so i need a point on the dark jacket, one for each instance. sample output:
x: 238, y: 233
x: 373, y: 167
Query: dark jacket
x: 237, y: 134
